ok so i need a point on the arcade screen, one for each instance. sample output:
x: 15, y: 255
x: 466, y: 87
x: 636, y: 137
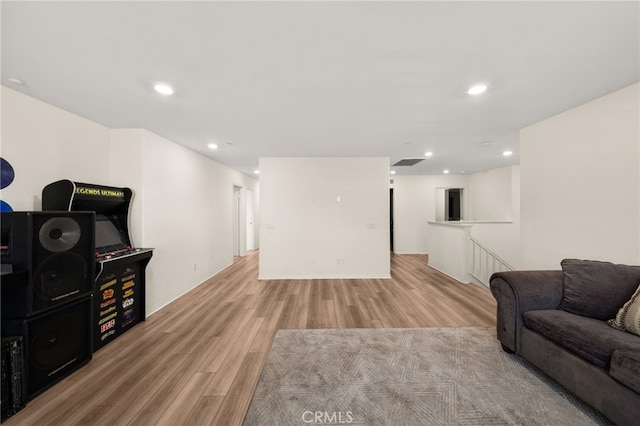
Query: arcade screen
x: 108, y: 237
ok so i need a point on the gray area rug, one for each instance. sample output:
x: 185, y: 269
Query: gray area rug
x: 429, y: 376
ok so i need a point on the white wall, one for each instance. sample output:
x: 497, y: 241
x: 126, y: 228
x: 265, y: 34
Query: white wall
x: 324, y: 218
x: 580, y: 186
x: 414, y: 206
x: 449, y: 249
x: 182, y: 200
x: 493, y: 196
x: 187, y: 215
x: 126, y: 171
x: 490, y: 195
x: 45, y: 144
x: 497, y: 194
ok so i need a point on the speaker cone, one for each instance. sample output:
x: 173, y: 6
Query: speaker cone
x: 59, y: 276
x: 59, y: 234
x: 58, y: 342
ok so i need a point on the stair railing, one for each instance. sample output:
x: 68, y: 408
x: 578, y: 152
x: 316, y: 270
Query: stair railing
x: 484, y: 263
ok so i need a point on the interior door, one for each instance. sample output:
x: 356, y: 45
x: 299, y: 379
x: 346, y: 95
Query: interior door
x: 251, y: 244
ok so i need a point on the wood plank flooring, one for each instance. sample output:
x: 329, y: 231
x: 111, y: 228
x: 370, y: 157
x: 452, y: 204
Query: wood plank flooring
x: 198, y: 360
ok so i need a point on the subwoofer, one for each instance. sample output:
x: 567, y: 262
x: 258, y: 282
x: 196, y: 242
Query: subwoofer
x: 48, y: 259
x: 56, y: 343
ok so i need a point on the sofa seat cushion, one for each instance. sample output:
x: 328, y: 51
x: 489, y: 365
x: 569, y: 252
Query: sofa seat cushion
x: 625, y: 368
x: 586, y: 337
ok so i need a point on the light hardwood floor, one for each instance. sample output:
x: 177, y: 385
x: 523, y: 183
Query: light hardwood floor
x: 197, y: 361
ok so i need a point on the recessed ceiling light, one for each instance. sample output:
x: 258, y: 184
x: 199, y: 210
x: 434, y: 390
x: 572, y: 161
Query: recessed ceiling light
x: 256, y: 171
x: 428, y: 154
x: 393, y: 172
x: 163, y: 89
x: 446, y: 172
x: 15, y: 81
x: 507, y: 153
x: 213, y: 146
x: 477, y: 89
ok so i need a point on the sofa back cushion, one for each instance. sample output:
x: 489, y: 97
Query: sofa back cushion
x: 597, y: 289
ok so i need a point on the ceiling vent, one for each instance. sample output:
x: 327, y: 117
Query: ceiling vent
x: 408, y: 162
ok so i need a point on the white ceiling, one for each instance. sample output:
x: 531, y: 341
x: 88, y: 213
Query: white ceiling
x: 265, y: 79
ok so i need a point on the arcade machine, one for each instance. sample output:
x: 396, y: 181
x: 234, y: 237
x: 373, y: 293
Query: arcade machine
x: 119, y: 292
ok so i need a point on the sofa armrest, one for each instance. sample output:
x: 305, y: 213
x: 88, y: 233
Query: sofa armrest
x: 518, y: 292
x: 625, y: 368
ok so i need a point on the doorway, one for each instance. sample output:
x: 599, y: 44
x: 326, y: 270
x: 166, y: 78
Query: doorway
x: 236, y: 220
x: 391, y: 218
x: 453, y: 203
x: 251, y: 237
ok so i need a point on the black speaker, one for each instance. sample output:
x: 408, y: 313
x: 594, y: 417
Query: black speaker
x: 56, y: 343
x: 48, y: 259
x: 13, y: 391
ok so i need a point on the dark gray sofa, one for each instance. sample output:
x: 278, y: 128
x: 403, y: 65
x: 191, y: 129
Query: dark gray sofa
x: 557, y: 320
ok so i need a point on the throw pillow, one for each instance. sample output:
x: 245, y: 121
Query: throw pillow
x: 597, y: 289
x: 628, y: 317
